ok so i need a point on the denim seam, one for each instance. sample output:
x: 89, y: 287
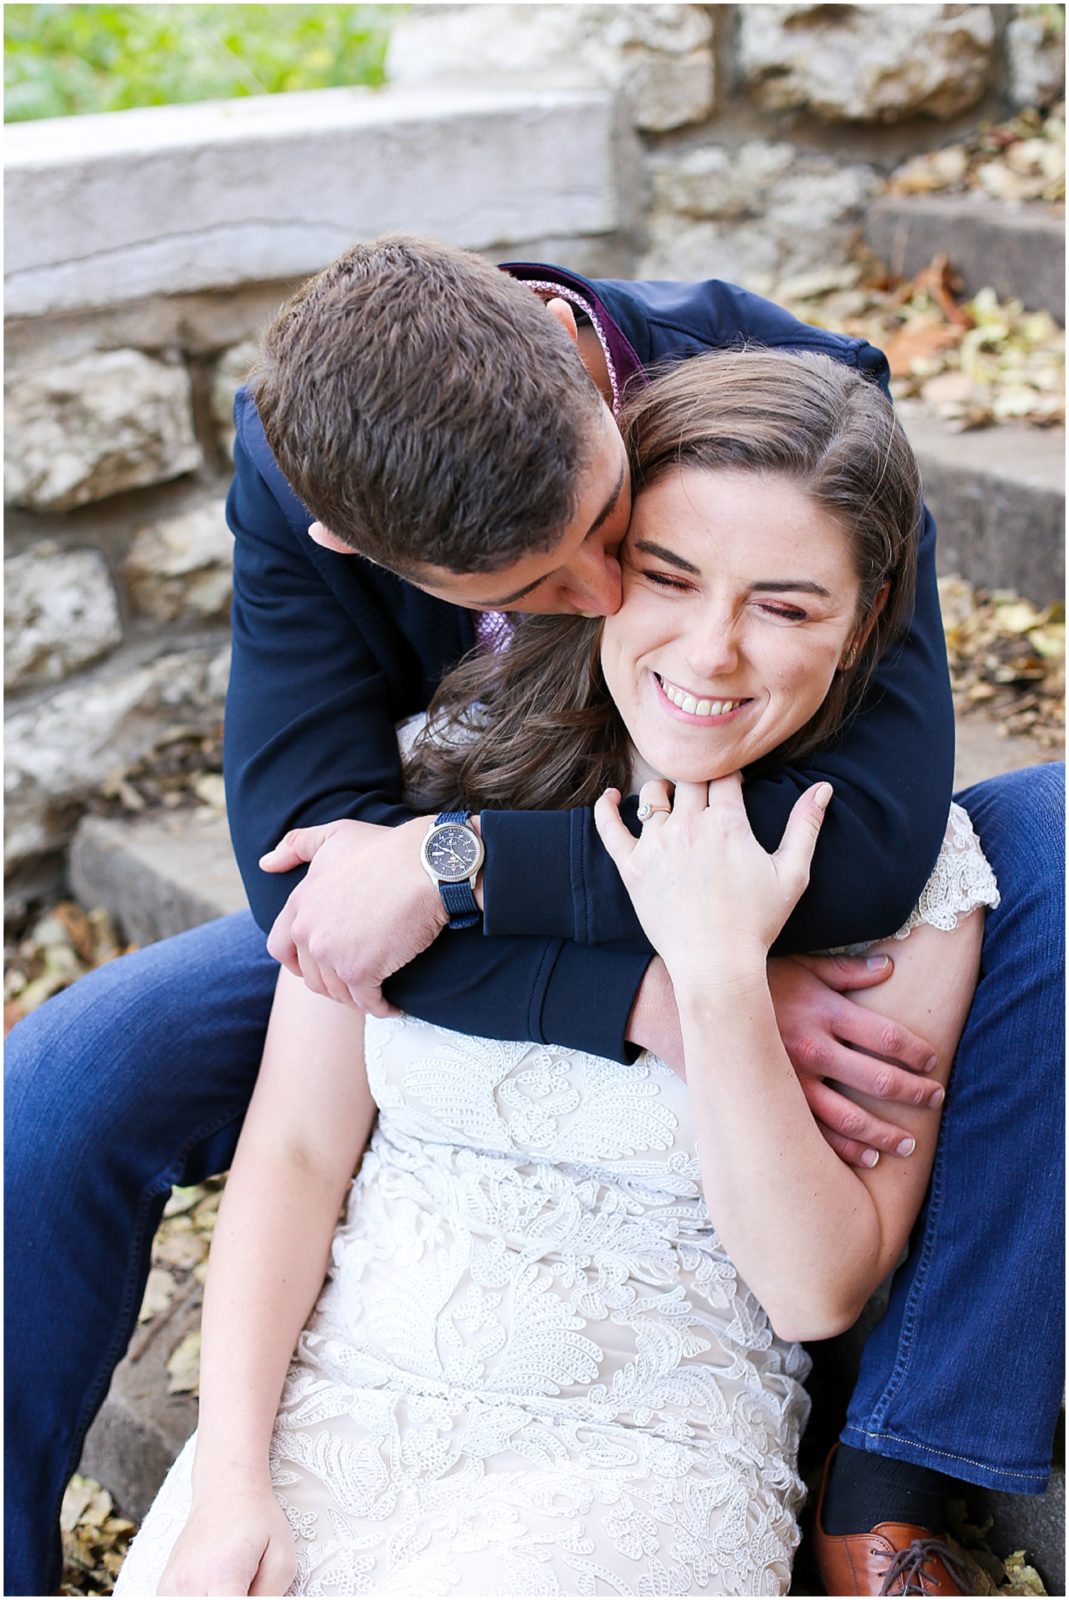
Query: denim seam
x: 99, y: 1387
x: 1039, y: 1476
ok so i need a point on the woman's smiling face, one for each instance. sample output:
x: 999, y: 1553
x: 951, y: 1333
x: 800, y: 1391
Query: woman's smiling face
x: 740, y: 599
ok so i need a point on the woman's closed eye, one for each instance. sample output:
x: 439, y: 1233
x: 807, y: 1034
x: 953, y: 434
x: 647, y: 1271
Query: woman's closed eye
x: 666, y: 580
x: 785, y: 613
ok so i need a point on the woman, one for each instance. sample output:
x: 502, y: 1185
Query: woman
x: 556, y: 1351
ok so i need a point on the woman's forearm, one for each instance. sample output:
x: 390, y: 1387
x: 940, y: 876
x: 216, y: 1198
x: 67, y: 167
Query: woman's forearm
x: 811, y: 1236
x: 307, y: 1123
x: 269, y: 1256
x: 798, y: 1223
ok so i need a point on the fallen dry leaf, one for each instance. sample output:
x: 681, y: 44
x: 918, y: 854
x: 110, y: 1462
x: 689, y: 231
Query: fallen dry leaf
x: 95, y: 1540
x: 908, y: 348
x: 159, y: 1292
x: 183, y: 1365
x: 1021, y: 1578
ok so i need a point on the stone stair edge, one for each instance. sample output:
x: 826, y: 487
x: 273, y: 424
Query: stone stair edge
x: 1014, y: 247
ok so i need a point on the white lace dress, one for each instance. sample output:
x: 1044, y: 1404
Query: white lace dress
x: 533, y: 1370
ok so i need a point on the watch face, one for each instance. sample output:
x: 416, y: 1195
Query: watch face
x: 453, y: 852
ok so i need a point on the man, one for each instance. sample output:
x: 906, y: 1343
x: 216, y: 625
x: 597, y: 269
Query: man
x: 439, y: 417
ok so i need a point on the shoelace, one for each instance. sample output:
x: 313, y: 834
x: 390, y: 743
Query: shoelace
x: 909, y: 1565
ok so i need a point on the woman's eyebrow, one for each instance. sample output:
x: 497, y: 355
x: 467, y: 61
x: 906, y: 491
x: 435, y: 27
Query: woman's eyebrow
x: 650, y: 549
x: 790, y: 586
x: 767, y: 585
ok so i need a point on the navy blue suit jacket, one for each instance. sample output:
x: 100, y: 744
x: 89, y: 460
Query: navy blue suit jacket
x: 329, y: 652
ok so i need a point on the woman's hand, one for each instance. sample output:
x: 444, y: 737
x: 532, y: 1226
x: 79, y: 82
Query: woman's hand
x: 707, y: 894
x: 236, y: 1541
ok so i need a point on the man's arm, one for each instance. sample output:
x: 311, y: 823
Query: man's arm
x: 310, y: 738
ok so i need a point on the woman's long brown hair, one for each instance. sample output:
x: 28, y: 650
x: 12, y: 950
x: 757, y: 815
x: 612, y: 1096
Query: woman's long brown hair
x: 533, y: 727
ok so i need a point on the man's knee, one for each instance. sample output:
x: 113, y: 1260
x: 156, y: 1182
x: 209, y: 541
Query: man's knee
x: 1019, y: 818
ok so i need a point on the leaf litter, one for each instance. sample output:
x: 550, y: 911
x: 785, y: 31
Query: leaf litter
x: 972, y: 363
x: 1022, y: 159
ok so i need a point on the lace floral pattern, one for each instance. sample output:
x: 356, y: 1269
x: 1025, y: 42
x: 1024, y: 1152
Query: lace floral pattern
x: 532, y: 1370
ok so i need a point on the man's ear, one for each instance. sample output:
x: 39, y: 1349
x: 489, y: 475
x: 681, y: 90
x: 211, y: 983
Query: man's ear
x: 328, y: 540
x: 562, y: 312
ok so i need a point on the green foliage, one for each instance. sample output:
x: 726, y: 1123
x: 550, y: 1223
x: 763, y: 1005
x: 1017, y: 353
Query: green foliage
x: 62, y: 60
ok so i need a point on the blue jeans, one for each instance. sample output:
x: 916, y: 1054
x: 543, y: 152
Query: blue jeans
x: 964, y: 1372
x: 138, y: 1076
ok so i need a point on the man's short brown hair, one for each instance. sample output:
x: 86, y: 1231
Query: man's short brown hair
x: 427, y: 408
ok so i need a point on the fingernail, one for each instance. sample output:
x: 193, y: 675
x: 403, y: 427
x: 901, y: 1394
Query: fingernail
x: 870, y: 1158
x: 822, y: 794
x: 931, y: 1064
x: 938, y: 1096
x: 877, y: 963
x: 906, y: 1147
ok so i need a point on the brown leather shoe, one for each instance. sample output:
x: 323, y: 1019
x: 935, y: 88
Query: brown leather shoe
x: 894, y: 1558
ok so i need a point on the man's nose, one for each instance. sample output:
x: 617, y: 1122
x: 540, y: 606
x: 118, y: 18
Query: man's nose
x: 592, y: 583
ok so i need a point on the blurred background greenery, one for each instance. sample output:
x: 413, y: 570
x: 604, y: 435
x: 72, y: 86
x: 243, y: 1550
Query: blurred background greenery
x: 63, y: 60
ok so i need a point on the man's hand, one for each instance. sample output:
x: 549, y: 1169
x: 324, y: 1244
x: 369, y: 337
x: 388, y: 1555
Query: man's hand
x: 827, y: 1036
x: 365, y: 909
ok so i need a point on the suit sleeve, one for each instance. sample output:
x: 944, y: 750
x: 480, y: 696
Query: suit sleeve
x: 310, y: 737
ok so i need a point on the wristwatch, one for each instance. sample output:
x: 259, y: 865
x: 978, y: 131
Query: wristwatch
x: 452, y: 854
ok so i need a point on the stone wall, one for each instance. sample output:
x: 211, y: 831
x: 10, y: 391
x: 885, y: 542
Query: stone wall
x: 146, y: 250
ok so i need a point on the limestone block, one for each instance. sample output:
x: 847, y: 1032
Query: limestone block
x: 61, y: 750
x: 80, y: 431
x: 755, y: 213
x: 231, y: 371
x: 273, y: 187
x: 680, y: 248
x: 715, y: 181
x: 659, y: 57
x: 1035, y: 56
x: 181, y: 567
x: 812, y: 215
x: 856, y: 63
x: 61, y: 611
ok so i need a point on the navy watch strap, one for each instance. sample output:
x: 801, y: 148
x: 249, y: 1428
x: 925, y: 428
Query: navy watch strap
x: 461, y: 904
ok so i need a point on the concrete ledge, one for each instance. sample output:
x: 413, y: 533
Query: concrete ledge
x: 104, y: 209
x: 156, y: 876
x: 998, y: 498
x: 1018, y: 250
x: 140, y: 1428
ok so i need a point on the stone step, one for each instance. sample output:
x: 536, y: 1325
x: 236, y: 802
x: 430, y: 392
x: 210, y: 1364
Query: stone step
x: 156, y: 875
x: 998, y: 498
x: 141, y: 1427
x: 1014, y: 248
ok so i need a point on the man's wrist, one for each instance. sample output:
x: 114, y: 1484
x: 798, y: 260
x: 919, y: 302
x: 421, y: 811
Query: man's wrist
x: 421, y: 825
